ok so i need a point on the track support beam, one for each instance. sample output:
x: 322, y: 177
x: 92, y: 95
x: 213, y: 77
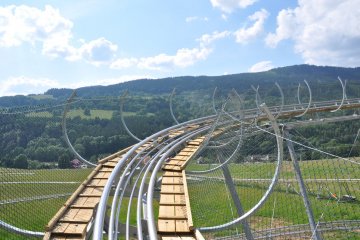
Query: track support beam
x: 316, y: 234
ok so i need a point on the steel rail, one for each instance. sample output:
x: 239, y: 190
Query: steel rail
x: 150, y: 212
x: 20, y: 231
x: 115, y: 219
x: 127, y: 230
x: 122, y: 100
x: 230, y: 158
x: 282, y: 100
x: 99, y: 217
x: 100, y: 214
x: 66, y: 137
x: 171, y: 106
x: 343, y: 95
x: 119, y: 187
x: 257, y: 97
x: 272, y: 184
x: 310, y: 99
x: 142, y: 185
x: 213, y: 100
x: 299, y: 228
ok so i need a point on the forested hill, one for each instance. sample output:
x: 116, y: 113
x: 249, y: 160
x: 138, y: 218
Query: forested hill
x: 31, y: 126
x: 285, y: 76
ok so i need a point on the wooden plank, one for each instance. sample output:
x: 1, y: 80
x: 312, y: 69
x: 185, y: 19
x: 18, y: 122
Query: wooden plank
x: 172, y: 168
x: 172, y: 189
x: 167, y: 180
x: 181, y: 226
x: 97, y: 183
x: 106, y: 169
x: 116, y: 159
x: 178, y: 188
x: 92, y: 190
x: 60, y: 227
x: 167, y: 199
x: 47, y: 236
x: 77, y: 215
x: 102, y: 175
x: 69, y: 215
x: 166, y: 225
x: 110, y: 164
x: 179, y: 199
x: 187, y: 237
x: 172, y: 173
x: 180, y: 212
x: 198, y: 235
x: 166, y: 211
x: 74, y: 228
x: 62, y: 210
x: 175, y: 162
x: 117, y: 154
x: 187, y: 200
x: 180, y: 158
x: 171, y: 238
x: 86, y: 202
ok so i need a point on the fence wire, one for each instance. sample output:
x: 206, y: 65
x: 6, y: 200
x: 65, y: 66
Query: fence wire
x: 331, y: 183
x: 38, y: 172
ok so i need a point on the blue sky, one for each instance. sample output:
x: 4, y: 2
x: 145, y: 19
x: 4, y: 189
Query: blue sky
x: 45, y: 44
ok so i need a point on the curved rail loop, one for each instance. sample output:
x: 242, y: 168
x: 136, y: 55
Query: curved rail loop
x: 150, y: 193
x: 122, y: 101
x: 258, y: 99
x: 213, y: 101
x: 171, y: 106
x: 20, y: 231
x: 100, y: 215
x: 310, y: 99
x: 343, y: 96
x: 279, y: 142
x: 66, y: 137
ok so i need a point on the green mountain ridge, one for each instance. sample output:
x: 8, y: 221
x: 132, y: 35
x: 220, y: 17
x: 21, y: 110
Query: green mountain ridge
x: 287, y: 77
x: 241, y: 81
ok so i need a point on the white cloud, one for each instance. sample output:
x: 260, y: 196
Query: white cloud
x: 261, y: 66
x: 230, y: 5
x: 99, y: 51
x: 196, y: 18
x: 25, y: 85
x: 122, y: 63
x: 244, y: 35
x: 207, y: 39
x: 324, y: 32
x: 24, y: 24
x: 20, y: 24
x: 107, y: 81
x: 183, y: 58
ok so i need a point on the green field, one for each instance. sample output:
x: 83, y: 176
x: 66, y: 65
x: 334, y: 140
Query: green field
x: 94, y: 113
x: 18, y: 188
x: 208, y: 198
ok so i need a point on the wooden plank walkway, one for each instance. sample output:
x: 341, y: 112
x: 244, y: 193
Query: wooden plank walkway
x: 175, y: 220
x: 74, y: 219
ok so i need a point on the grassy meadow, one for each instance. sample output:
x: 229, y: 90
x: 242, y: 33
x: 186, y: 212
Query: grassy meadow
x: 210, y: 202
x: 209, y: 196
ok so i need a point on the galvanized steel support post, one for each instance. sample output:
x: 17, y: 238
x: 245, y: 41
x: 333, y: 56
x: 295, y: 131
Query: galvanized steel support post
x: 235, y: 197
x: 300, y: 180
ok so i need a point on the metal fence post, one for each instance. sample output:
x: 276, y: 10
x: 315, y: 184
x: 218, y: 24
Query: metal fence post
x: 299, y: 178
x: 235, y: 197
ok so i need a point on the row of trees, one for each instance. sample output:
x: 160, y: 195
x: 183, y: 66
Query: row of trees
x: 35, y: 140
